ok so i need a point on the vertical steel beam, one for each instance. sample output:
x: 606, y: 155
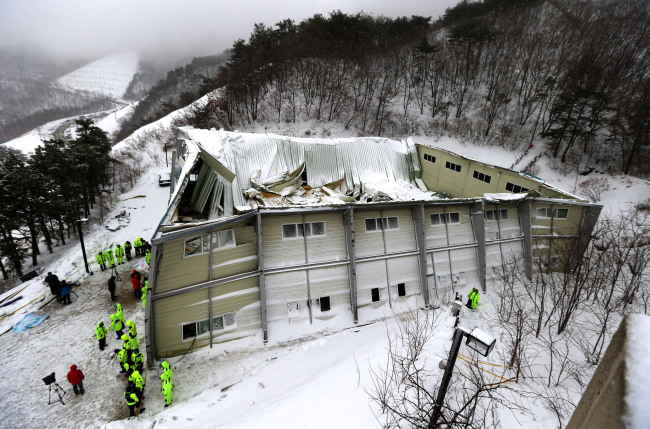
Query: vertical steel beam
x: 210, y: 289
x: 525, y: 220
x: 587, y: 224
x: 420, y: 239
x: 348, y: 223
x: 477, y: 213
x: 304, y: 239
x: 260, y: 264
x: 149, y: 312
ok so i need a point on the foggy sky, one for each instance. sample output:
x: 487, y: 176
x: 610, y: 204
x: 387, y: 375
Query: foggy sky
x: 74, y: 29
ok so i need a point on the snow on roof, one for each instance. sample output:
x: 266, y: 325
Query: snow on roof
x: 338, y: 170
x: 504, y: 197
x: 636, y: 362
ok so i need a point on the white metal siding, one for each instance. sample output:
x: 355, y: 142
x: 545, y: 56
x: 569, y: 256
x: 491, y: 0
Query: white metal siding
x: 367, y: 243
x: 279, y: 252
x: 461, y: 233
x: 331, y: 247
x: 282, y: 288
x: 404, y: 270
x: 464, y: 261
x: 402, y: 239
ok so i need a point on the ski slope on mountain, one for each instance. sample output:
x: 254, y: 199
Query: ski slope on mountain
x: 109, y: 76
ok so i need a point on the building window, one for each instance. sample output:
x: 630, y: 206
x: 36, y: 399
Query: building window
x: 189, y: 331
x: 442, y: 218
x: 324, y: 303
x: 452, y: 166
x: 482, y: 177
x: 496, y: 214
x: 223, y: 239
x: 401, y: 289
x: 195, y: 329
x: 517, y: 189
x: 197, y: 245
x: 296, y: 230
x: 201, y: 244
x: 386, y: 223
x: 548, y: 213
x: 375, y: 294
x: 430, y: 158
x: 221, y: 322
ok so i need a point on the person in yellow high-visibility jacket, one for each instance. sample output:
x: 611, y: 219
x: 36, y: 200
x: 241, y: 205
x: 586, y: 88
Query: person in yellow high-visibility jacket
x: 474, y: 296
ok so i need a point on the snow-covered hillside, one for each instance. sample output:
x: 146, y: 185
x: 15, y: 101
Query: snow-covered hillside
x: 317, y: 382
x: 109, y: 76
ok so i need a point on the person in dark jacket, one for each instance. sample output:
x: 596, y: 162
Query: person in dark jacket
x: 76, y: 377
x: 55, y: 285
x: 111, y: 288
x: 127, y: 249
x: 65, y: 292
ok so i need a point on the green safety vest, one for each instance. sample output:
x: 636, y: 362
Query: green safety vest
x: 119, y: 251
x: 116, y: 324
x: 100, y: 259
x: 131, y: 398
x: 100, y: 331
x: 474, y: 297
x: 148, y: 256
x: 144, y: 294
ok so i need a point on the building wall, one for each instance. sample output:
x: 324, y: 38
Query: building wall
x: 437, y: 177
x: 298, y: 277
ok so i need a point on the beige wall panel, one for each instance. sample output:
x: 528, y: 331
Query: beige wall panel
x: 510, y: 227
x: 436, y: 235
x: 176, y: 271
x: 279, y: 252
x: 402, y: 239
x: 331, y: 247
x: 568, y: 226
x: 235, y: 260
x: 451, y: 182
x: 367, y: 243
x: 245, y: 234
x: 171, y: 313
x: 429, y: 170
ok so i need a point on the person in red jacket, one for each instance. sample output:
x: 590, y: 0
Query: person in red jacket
x: 75, y: 377
x: 135, y: 281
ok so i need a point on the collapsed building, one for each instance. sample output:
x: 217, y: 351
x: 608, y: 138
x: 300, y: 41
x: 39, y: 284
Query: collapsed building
x: 280, y: 237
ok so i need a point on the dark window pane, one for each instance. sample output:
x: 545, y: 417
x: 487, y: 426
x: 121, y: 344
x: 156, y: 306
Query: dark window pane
x: 401, y: 289
x: 318, y: 228
x: 371, y: 225
x: 289, y: 231
x: 375, y: 294
x: 393, y: 222
x: 189, y: 331
x: 325, y: 303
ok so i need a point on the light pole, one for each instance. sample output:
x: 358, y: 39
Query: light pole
x: 83, y: 247
x: 477, y: 340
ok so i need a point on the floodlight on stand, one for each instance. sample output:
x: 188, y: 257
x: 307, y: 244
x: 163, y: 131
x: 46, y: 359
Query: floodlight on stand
x: 480, y: 341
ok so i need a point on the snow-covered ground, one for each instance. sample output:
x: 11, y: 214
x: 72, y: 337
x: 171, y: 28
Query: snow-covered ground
x: 109, y: 75
x: 317, y: 382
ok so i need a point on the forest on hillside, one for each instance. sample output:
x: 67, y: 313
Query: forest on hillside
x: 574, y: 74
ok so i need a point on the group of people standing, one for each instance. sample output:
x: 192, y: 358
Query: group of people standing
x: 132, y: 360
x: 59, y: 288
x: 111, y: 258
